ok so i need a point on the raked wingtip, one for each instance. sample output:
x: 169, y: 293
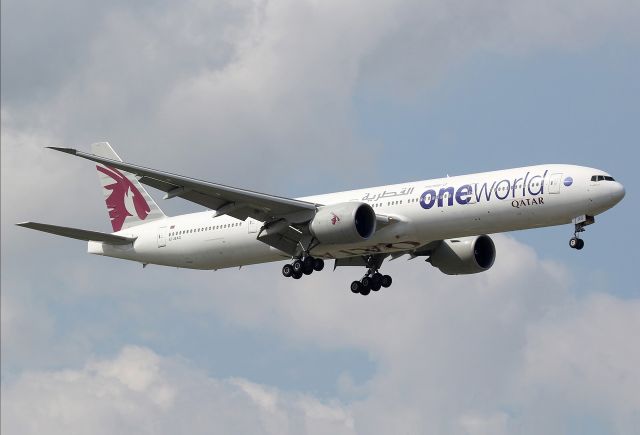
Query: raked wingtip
x: 64, y: 150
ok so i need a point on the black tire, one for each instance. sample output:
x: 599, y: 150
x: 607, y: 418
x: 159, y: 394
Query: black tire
x: 298, y: 266
x: 287, y: 270
x: 365, y: 291
x: 356, y: 287
x: 366, y: 283
x: 308, y: 262
x: 318, y: 264
x: 386, y: 281
x: 580, y: 244
x: 574, y: 242
x: 297, y: 275
x: 307, y: 270
x: 376, y: 282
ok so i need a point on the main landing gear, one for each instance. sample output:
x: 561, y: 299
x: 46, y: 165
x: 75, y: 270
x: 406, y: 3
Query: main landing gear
x: 372, y: 280
x: 303, y: 266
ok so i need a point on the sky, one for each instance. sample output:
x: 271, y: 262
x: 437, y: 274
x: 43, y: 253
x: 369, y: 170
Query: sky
x: 300, y: 97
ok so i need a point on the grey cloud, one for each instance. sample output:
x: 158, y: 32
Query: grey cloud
x: 213, y: 83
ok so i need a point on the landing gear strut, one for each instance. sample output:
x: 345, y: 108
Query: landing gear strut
x: 579, y: 223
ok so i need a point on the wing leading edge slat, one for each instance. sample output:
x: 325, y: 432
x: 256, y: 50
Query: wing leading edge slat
x: 257, y: 205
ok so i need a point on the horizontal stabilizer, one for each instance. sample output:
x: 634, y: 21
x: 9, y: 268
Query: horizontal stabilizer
x: 79, y: 234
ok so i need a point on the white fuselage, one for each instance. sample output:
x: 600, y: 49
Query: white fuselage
x: 423, y: 211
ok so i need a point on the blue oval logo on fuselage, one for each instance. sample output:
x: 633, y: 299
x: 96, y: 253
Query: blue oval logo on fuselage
x: 568, y: 181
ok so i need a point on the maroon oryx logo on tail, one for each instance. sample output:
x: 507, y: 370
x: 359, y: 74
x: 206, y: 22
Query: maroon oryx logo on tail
x: 334, y: 219
x: 123, y: 191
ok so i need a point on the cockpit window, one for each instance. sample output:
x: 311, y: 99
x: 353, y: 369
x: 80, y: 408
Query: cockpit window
x: 602, y: 178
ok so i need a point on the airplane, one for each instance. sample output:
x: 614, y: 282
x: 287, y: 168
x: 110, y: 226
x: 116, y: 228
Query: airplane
x: 445, y: 220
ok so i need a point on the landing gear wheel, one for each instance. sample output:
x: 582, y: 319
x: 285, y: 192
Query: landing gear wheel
x: 307, y: 270
x: 365, y: 291
x: 298, y: 266
x: 376, y: 282
x: 356, y: 287
x: 576, y: 243
x: 366, y: 282
x: 308, y: 262
x: 318, y: 264
x: 386, y: 281
x: 296, y: 275
x: 287, y: 270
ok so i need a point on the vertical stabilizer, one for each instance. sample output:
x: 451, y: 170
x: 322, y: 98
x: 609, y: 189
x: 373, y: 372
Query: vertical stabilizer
x: 128, y: 202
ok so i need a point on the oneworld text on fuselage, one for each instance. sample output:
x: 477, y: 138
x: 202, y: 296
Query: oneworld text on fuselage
x: 501, y: 190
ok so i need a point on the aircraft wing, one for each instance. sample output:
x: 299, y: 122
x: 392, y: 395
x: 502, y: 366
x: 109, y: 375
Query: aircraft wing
x: 76, y: 233
x: 239, y: 203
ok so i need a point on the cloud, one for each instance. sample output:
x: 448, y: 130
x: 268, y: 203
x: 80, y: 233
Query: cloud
x: 476, y: 354
x: 584, y: 357
x: 139, y: 391
x: 566, y: 364
x: 199, y: 86
x: 203, y: 84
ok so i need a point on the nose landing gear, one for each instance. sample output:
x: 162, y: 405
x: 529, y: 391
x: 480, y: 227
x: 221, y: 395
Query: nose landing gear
x: 576, y: 243
x: 579, y: 223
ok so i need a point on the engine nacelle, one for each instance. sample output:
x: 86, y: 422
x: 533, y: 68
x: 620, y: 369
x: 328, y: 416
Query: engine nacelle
x: 464, y: 255
x: 344, y: 223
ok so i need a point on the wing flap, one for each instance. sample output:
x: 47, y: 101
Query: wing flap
x: 76, y: 233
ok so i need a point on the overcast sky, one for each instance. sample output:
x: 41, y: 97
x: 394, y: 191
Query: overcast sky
x: 298, y: 97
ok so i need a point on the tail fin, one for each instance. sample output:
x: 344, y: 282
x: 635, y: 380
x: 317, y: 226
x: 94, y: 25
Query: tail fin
x: 128, y: 202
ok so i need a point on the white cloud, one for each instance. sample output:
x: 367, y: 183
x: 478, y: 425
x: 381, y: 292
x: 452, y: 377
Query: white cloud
x: 139, y: 391
x: 585, y: 357
x: 576, y: 361
x: 478, y: 354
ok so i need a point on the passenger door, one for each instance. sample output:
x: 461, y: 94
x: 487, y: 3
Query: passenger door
x: 554, y: 183
x: 253, y: 226
x: 162, y: 237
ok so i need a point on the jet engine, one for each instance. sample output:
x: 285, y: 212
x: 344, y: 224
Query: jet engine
x: 465, y: 255
x: 344, y: 223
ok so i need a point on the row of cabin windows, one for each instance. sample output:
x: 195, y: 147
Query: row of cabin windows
x: 390, y: 203
x: 211, y: 228
x: 446, y: 195
x: 380, y: 204
x: 602, y: 178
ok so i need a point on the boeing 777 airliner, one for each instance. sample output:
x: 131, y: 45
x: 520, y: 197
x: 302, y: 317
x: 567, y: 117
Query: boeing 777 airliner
x: 445, y: 220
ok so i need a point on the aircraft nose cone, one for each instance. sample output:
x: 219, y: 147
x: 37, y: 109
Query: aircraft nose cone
x: 618, y: 192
